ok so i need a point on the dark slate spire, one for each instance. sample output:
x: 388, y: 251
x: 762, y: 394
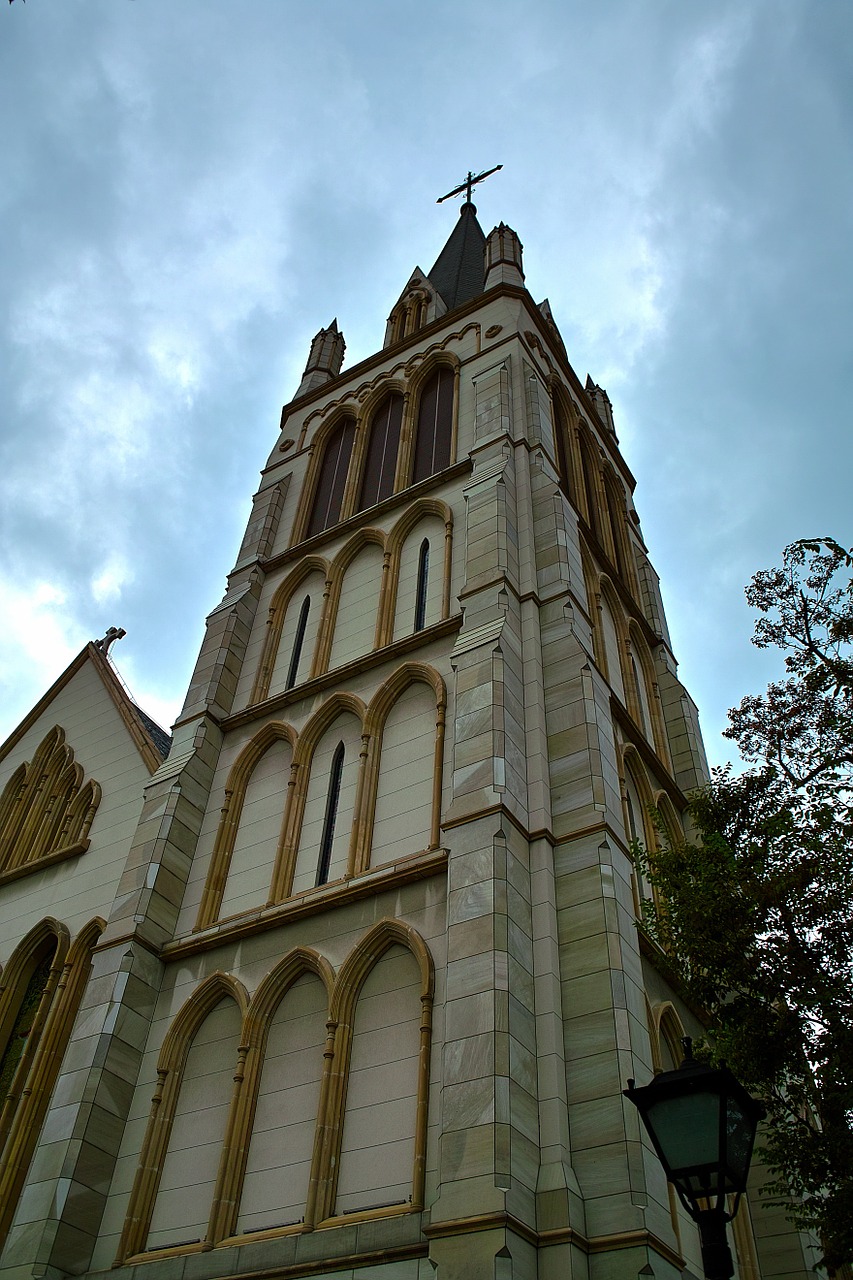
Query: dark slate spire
x: 459, y: 272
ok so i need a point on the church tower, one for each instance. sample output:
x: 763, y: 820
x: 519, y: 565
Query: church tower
x: 371, y: 982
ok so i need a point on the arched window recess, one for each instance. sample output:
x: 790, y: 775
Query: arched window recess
x: 565, y: 447
x: 331, y: 477
x: 383, y: 443
x: 432, y: 446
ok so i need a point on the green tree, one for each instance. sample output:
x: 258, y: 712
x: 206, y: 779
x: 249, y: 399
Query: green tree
x: 755, y: 910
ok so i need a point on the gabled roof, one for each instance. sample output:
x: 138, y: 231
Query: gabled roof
x: 459, y: 272
x: 152, y: 742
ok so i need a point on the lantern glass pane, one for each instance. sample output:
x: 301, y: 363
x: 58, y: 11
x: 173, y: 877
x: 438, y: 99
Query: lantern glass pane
x: 687, y: 1129
x: 739, y: 1139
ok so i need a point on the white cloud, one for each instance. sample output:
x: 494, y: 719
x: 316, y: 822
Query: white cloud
x: 39, y: 637
x: 110, y: 581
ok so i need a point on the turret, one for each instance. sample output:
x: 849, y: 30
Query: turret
x: 324, y: 359
x: 503, y: 257
x: 601, y: 400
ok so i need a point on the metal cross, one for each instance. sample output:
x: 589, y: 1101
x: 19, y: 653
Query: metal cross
x: 469, y: 182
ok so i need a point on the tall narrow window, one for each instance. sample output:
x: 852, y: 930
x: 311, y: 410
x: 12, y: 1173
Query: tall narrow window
x: 328, y: 837
x: 329, y: 493
x: 594, y: 512
x: 435, y: 425
x: 423, y: 583
x: 640, y: 686
x: 561, y: 435
x: 381, y: 462
x: 297, y: 643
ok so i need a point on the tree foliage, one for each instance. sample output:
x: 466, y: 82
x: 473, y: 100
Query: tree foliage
x: 756, y: 910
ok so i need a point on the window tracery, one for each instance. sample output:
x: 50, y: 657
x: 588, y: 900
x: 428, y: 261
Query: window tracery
x: 46, y: 809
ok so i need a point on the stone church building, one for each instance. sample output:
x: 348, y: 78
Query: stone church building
x: 345, y: 981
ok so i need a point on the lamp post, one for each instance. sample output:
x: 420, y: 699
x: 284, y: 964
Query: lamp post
x: 702, y: 1124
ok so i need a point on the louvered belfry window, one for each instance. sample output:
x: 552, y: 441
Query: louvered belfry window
x: 329, y: 493
x: 435, y: 425
x: 381, y: 462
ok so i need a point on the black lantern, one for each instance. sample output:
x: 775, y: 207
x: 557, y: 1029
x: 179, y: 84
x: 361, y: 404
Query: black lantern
x: 702, y: 1125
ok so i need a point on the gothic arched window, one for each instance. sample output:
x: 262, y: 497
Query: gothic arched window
x: 334, y: 795
x: 298, y: 640
x: 46, y: 810
x: 561, y: 436
x: 423, y: 583
x: 43, y: 984
x: 380, y: 465
x: 434, y: 431
x: 589, y: 468
x: 329, y: 493
x: 20, y: 1040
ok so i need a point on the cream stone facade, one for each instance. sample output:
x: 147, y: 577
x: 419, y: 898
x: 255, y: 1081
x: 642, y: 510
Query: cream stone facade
x: 350, y: 984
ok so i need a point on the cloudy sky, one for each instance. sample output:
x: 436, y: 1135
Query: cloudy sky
x: 189, y: 190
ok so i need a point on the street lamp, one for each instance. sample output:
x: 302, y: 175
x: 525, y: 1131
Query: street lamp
x: 702, y: 1125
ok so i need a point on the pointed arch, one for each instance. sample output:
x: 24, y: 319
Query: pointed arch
x: 363, y: 538
x: 298, y: 963
x: 565, y: 444
x: 657, y: 725
x: 275, y: 621
x: 46, y: 943
x: 376, y: 718
x: 46, y: 809
x: 321, y: 503
x: 615, y: 645
x: 394, y: 552
x: 325, y: 716
x: 590, y: 580
x: 231, y: 812
x: 385, y: 934
x: 665, y: 1032
x: 371, y: 948
x: 594, y: 496
x: 9, y: 801
x: 303, y: 756
x: 39, y: 1069
x: 430, y: 443
x: 637, y: 795
x: 207, y: 995
x: 671, y: 820
x: 409, y: 314
x: 618, y: 521
x: 274, y: 986
x: 670, y: 1031
x: 378, y: 446
x: 637, y: 825
x: 171, y: 1065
